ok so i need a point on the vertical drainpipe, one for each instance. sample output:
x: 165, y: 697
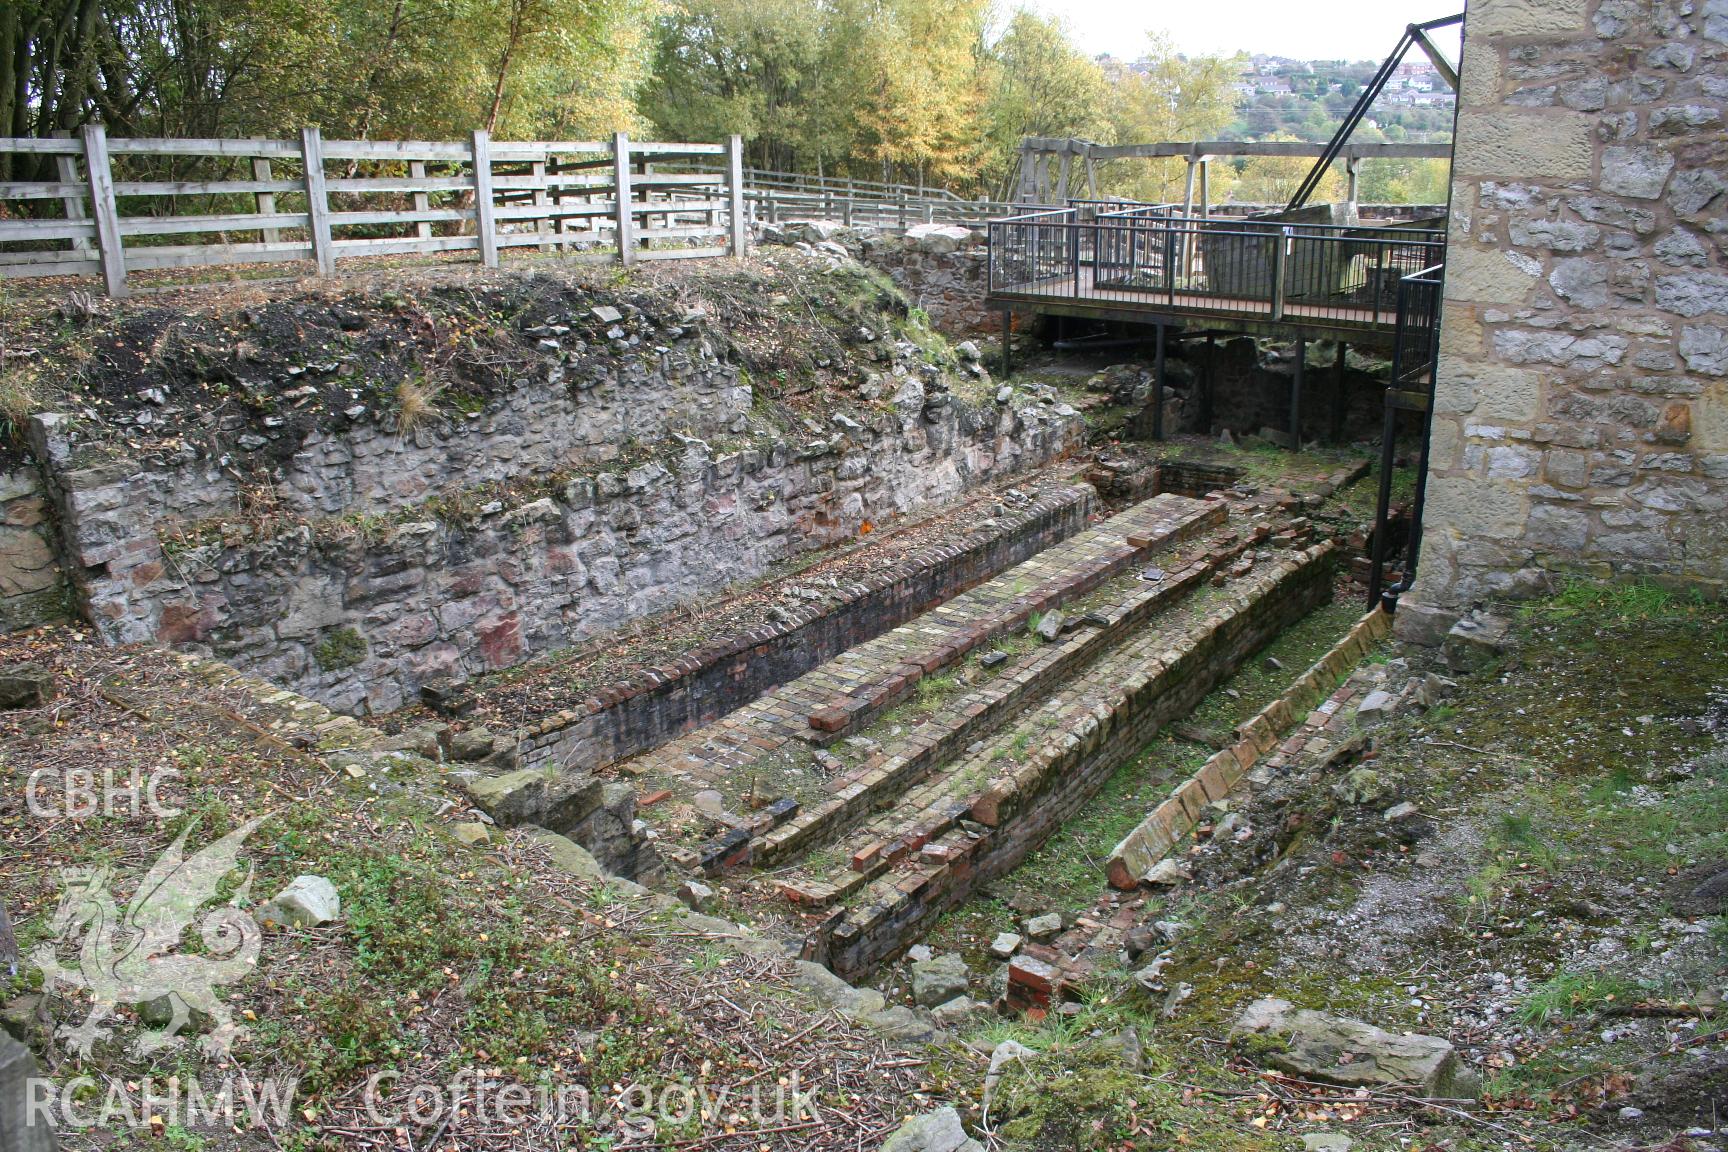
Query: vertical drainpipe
x: 1414, y: 548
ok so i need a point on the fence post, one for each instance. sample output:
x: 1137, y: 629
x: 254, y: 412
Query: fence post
x: 422, y: 202
x: 621, y: 195
x: 67, y: 169
x: 101, y: 180
x: 265, y: 202
x: 1279, y: 255
x: 542, y: 199
x: 735, y: 193
x: 317, y: 201
x: 483, y: 221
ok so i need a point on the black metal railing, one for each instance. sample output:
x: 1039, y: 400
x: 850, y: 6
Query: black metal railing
x: 1154, y: 255
x: 1415, y: 357
x: 1415, y: 338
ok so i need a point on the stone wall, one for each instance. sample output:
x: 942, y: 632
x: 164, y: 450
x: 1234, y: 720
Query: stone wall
x: 32, y: 590
x: 375, y: 562
x: 1581, y: 417
x: 943, y: 270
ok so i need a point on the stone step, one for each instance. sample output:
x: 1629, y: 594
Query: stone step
x: 1080, y: 736
x: 743, y: 771
x: 932, y: 773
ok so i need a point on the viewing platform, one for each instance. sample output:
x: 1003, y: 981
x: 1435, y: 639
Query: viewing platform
x: 1155, y: 264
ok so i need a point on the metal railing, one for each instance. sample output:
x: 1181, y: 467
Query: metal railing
x: 1415, y: 342
x: 1415, y: 357
x: 1154, y: 256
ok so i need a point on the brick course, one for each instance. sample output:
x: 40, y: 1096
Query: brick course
x: 1101, y: 719
x: 658, y: 704
x: 722, y: 755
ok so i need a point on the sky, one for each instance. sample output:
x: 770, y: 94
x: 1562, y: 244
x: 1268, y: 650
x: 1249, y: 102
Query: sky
x: 1329, y: 29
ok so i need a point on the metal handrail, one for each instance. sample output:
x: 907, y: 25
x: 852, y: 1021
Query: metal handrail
x: 1415, y: 357
x: 1244, y: 266
x: 1038, y: 216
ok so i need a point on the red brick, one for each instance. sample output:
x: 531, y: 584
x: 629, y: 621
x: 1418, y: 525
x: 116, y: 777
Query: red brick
x: 936, y: 661
x: 865, y: 857
x: 831, y: 719
x: 1032, y: 983
x: 653, y: 798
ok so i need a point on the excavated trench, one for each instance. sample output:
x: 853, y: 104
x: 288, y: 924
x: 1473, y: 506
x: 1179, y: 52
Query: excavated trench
x: 853, y: 803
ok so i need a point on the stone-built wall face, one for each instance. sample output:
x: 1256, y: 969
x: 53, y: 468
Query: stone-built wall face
x: 947, y: 279
x: 32, y: 590
x: 1581, y: 414
x: 364, y: 591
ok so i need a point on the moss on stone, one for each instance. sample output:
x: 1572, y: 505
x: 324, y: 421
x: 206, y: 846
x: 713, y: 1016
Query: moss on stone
x: 340, y: 648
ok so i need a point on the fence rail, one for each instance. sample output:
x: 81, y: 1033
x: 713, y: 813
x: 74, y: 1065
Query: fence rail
x: 766, y: 178
x: 1154, y: 257
x: 899, y: 210
x: 115, y: 206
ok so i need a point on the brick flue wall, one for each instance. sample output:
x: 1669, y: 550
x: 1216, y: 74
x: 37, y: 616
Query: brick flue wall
x: 1581, y: 416
x: 631, y: 717
x: 1019, y: 816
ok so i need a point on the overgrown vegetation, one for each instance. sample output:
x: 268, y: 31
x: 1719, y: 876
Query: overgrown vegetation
x: 903, y: 90
x: 486, y: 962
x: 340, y: 648
x: 1573, y: 795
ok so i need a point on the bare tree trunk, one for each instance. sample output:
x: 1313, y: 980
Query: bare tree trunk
x: 79, y: 67
x: 518, y: 16
x: 11, y: 49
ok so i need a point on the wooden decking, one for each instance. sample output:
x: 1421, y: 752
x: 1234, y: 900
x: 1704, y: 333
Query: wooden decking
x: 1072, y: 295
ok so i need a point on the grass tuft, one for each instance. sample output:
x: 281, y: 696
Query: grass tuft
x: 1572, y: 994
x: 22, y: 395
x: 416, y: 403
x: 1625, y: 601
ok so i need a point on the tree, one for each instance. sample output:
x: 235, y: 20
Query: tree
x: 1039, y: 85
x: 735, y: 66
x: 882, y: 88
x: 1171, y: 97
x: 1274, y: 180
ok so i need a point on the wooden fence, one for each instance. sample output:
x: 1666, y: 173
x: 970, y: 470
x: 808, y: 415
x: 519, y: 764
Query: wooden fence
x: 899, y: 210
x: 117, y: 205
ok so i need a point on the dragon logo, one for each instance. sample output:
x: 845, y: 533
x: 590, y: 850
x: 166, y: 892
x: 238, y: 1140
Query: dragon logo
x: 132, y: 956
